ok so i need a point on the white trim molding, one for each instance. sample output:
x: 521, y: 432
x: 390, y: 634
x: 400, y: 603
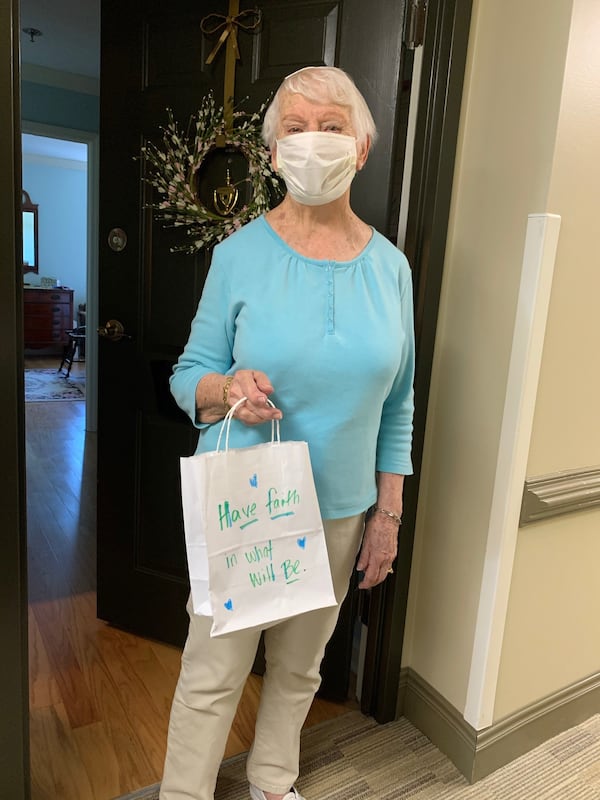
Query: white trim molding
x: 51, y: 161
x: 560, y: 493
x: 537, y: 271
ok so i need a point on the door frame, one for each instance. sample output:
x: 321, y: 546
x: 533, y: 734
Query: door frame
x: 437, y: 126
x: 438, y: 116
x: 14, y: 694
x: 93, y: 170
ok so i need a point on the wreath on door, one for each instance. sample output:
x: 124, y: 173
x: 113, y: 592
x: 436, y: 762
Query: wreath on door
x: 174, y: 168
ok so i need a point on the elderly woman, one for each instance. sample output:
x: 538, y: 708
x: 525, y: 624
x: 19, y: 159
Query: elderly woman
x: 312, y: 308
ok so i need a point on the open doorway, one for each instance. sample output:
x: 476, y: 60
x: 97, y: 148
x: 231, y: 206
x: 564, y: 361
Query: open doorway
x: 60, y: 165
x: 99, y: 697
x: 55, y: 173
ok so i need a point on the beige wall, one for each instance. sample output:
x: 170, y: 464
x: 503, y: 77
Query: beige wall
x: 552, y: 636
x: 567, y: 425
x: 512, y: 122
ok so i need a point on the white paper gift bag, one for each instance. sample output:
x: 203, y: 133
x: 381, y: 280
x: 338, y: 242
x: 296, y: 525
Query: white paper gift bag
x: 254, y: 535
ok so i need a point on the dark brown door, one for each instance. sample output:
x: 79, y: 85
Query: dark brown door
x: 153, y: 58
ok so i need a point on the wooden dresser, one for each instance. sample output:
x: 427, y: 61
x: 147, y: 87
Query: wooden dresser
x: 48, y: 315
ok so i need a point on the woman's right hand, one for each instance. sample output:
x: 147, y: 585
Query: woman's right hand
x: 256, y: 388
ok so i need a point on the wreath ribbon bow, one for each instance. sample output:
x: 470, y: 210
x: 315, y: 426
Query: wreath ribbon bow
x: 228, y: 26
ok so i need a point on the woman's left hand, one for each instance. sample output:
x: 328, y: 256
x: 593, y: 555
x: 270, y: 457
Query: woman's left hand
x: 378, y: 551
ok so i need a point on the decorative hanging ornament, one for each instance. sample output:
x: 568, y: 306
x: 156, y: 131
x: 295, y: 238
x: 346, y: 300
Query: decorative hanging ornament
x: 178, y: 168
x: 248, y: 20
x: 225, y: 197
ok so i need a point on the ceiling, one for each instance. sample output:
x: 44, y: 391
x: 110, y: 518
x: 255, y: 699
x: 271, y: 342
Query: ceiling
x: 70, y: 40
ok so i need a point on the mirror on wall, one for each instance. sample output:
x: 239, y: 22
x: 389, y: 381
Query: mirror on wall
x: 30, y: 234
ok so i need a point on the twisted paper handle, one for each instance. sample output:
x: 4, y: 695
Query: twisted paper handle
x: 226, y: 424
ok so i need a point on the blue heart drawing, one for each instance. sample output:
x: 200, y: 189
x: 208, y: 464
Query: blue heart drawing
x: 254, y: 480
x: 302, y: 542
x: 229, y: 605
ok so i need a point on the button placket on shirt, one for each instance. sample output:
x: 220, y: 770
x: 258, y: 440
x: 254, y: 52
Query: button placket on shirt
x: 330, y: 300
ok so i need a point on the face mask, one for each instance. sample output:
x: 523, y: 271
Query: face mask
x: 317, y: 166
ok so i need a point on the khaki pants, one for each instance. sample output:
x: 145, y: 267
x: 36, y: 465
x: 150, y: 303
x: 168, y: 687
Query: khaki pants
x: 213, y: 674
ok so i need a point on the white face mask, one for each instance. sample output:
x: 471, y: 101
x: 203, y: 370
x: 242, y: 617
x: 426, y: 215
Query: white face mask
x: 317, y: 166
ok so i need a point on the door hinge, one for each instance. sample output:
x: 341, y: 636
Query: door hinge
x: 414, y: 23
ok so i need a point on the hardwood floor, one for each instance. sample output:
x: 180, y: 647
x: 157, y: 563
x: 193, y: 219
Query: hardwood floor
x: 99, y: 697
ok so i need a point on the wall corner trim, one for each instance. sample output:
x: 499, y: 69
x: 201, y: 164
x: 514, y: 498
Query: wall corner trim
x: 479, y: 753
x: 533, y: 300
x: 560, y: 493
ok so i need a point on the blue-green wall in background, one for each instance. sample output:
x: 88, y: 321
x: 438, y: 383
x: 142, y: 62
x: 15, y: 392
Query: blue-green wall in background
x: 61, y: 107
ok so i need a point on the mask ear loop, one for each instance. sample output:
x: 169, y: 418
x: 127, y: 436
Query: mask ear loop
x: 226, y: 425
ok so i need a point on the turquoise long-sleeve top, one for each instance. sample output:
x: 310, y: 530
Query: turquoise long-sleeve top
x: 335, y: 339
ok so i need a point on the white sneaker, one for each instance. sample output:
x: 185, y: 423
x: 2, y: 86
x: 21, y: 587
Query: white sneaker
x: 258, y: 794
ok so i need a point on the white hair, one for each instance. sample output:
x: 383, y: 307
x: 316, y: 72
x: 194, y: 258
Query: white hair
x: 322, y: 85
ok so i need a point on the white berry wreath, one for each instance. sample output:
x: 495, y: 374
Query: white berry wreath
x: 171, y: 168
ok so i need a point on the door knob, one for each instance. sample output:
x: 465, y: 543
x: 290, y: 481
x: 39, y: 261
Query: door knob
x: 113, y: 330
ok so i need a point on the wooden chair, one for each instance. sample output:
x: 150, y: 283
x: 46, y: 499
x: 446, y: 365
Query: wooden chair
x: 76, y: 342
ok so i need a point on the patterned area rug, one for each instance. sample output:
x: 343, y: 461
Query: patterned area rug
x: 43, y: 385
x: 353, y: 758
